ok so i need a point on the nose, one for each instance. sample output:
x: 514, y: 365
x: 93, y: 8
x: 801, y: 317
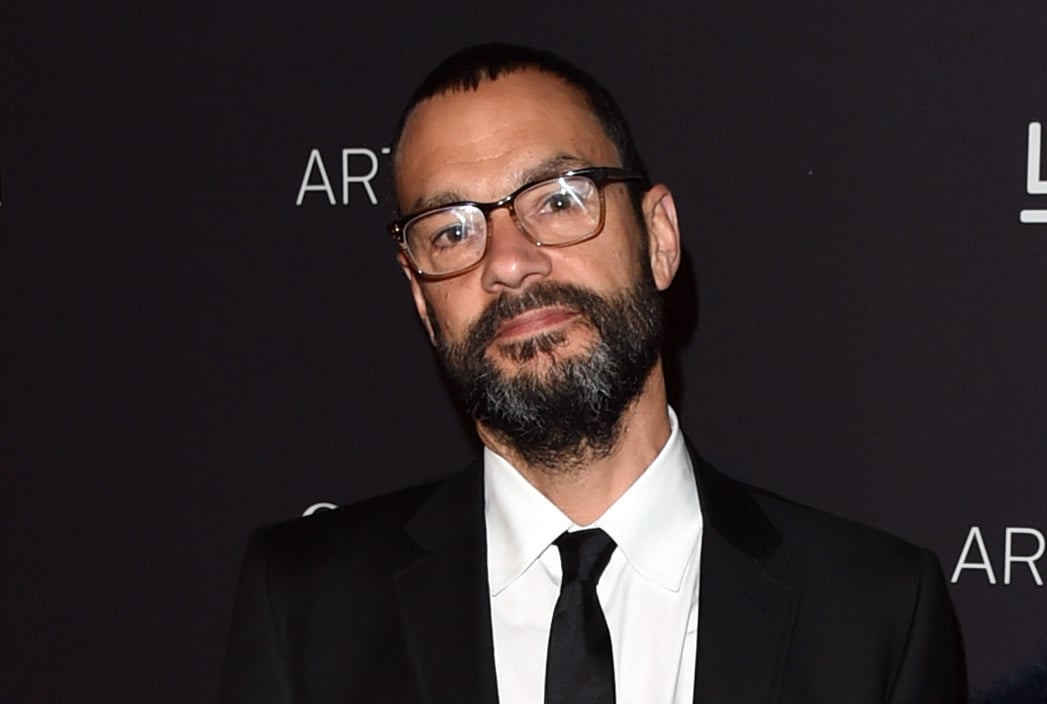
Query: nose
x: 512, y: 259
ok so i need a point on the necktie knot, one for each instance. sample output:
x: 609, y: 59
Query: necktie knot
x: 584, y: 554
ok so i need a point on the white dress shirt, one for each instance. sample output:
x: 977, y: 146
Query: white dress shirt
x: 648, y: 591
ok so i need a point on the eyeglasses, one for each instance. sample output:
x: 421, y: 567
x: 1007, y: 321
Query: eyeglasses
x: 553, y: 212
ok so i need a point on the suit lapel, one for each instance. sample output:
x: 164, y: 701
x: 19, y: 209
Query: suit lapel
x: 444, y: 597
x: 745, y: 615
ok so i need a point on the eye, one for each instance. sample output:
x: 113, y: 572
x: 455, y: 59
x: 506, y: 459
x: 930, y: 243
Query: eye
x: 450, y: 236
x: 563, y: 197
x: 562, y: 200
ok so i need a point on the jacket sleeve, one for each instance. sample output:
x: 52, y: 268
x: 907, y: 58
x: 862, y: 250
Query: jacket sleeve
x: 932, y: 669
x: 255, y: 670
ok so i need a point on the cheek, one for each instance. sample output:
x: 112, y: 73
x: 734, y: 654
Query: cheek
x: 608, y: 263
x: 631, y: 251
x: 448, y: 311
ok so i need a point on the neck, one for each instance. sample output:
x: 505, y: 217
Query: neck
x: 587, y: 490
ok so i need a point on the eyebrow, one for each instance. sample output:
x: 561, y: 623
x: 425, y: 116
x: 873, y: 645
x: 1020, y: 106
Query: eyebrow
x: 548, y: 168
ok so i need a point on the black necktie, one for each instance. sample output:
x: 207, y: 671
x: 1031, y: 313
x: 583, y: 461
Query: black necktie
x: 580, y: 668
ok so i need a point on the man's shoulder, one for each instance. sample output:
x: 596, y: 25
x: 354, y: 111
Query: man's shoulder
x: 762, y: 522
x: 871, y: 607
x: 831, y: 548
x: 369, y: 530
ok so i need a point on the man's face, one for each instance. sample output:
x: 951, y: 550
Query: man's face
x: 530, y: 320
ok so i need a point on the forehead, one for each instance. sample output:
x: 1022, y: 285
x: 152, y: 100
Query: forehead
x: 480, y: 144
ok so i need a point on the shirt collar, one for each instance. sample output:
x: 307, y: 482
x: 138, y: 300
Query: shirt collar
x: 657, y: 522
x: 521, y: 522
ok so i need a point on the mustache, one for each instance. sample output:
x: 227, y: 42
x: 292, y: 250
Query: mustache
x: 540, y: 295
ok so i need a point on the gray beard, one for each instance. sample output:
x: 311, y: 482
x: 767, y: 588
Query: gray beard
x: 570, y: 413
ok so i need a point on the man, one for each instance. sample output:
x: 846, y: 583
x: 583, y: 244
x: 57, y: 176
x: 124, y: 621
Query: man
x: 591, y: 555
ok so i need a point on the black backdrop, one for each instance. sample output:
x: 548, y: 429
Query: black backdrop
x: 199, y: 345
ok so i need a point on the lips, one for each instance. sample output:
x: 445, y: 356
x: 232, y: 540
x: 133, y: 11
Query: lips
x: 533, y: 322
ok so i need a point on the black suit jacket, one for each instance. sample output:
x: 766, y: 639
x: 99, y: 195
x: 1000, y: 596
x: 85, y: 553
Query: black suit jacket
x: 387, y: 601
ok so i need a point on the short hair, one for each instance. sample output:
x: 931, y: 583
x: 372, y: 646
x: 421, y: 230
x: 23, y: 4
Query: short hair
x: 466, y: 69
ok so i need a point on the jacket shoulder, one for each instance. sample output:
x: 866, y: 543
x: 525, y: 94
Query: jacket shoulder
x: 826, y: 554
x: 370, y: 530
x: 875, y: 601
x: 813, y: 530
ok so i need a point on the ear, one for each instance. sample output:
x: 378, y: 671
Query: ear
x: 663, y: 234
x: 420, y: 304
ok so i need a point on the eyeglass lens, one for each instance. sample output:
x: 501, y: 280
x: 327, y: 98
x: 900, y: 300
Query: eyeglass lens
x: 554, y: 212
